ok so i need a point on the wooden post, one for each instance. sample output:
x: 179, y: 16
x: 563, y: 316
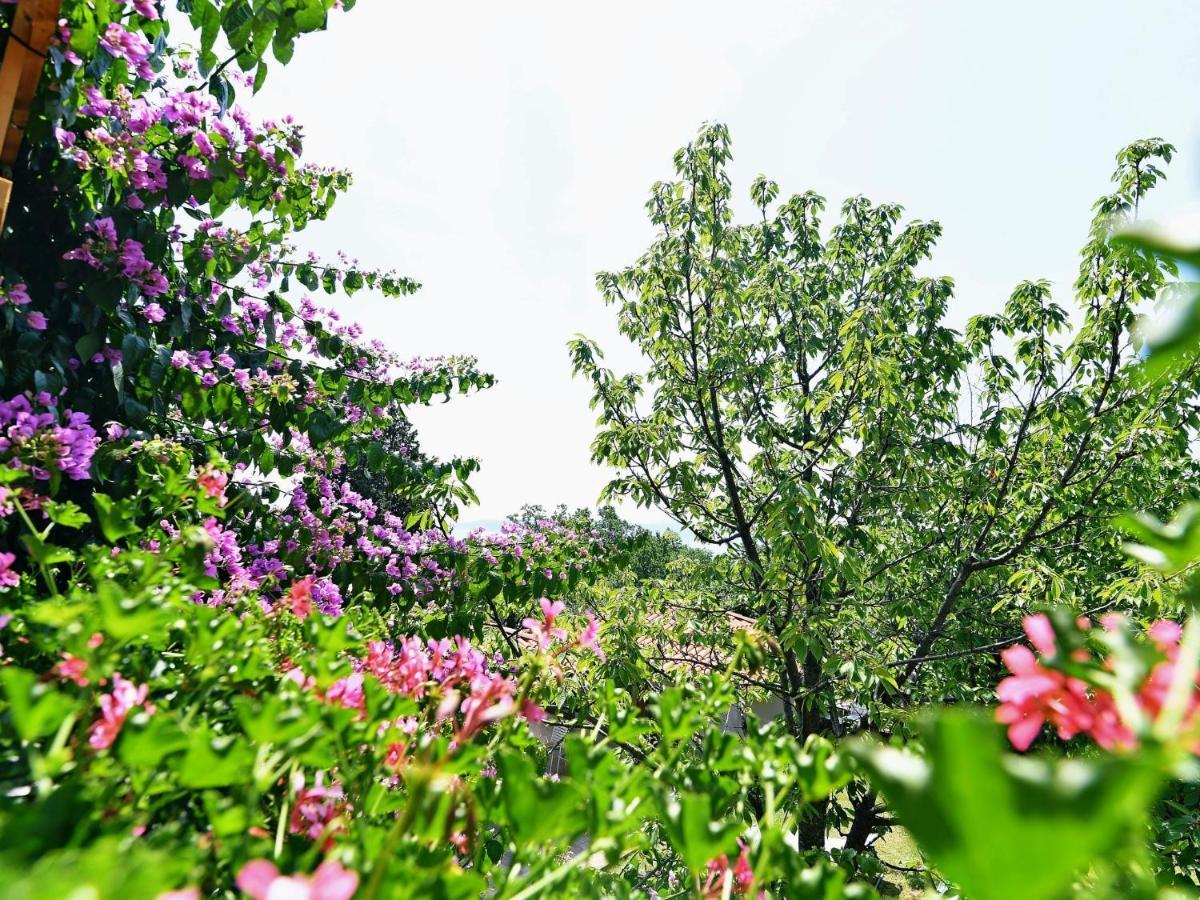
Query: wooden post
x: 33, y: 25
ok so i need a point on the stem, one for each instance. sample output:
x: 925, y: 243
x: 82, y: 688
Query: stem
x: 554, y: 875
x: 46, y: 575
x: 380, y: 865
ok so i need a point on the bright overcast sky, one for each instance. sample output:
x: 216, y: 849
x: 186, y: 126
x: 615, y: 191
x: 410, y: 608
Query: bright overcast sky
x: 503, y: 153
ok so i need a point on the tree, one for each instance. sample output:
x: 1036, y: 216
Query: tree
x: 646, y: 555
x: 892, y: 495
x: 395, y: 439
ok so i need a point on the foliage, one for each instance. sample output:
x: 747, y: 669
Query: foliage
x: 244, y: 652
x: 912, y: 490
x: 242, y: 649
x: 646, y: 555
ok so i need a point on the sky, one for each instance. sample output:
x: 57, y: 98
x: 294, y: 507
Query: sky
x: 503, y: 154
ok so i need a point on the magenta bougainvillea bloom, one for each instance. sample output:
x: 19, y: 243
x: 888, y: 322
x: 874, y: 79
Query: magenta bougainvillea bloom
x: 145, y: 8
x: 17, y: 294
x: 129, y: 46
x: 41, y: 444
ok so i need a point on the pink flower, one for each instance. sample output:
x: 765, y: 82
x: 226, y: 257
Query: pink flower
x: 298, y: 678
x: 1041, y: 634
x: 153, y: 312
x: 588, y: 637
x: 36, y: 320
x: 741, y: 882
x: 347, y: 692
x: 743, y: 875
x: 490, y: 700
x: 8, y: 578
x: 144, y: 7
x: 262, y: 881
x: 71, y: 668
x: 1034, y: 695
x: 129, y: 46
x: 531, y: 712
x: 316, y: 809
x: 544, y: 632
x: 1166, y: 635
x: 114, y: 708
x: 397, y: 756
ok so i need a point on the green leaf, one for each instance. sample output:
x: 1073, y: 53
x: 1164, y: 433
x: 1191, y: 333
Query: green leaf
x: 696, y: 834
x: 213, y: 761
x: 1001, y: 825
x: 37, y: 708
x: 115, y: 517
x: 1175, y: 338
x: 145, y: 746
x: 44, y: 553
x: 538, y: 809
x: 67, y: 514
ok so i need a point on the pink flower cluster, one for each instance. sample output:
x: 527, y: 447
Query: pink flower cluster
x: 545, y: 633
x: 129, y: 46
x: 101, y: 250
x: 115, y: 708
x: 316, y: 808
x: 41, y: 444
x: 212, y: 482
x: 261, y: 880
x: 1036, y: 693
x: 8, y: 578
x: 458, y: 672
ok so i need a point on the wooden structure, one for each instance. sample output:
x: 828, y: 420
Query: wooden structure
x: 33, y: 25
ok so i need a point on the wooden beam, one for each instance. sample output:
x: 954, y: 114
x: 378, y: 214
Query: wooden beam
x: 33, y: 25
x: 5, y: 193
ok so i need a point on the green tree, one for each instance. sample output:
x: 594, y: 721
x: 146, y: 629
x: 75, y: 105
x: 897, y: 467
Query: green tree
x: 892, y: 494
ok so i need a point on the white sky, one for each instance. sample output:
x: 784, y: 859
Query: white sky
x: 503, y: 154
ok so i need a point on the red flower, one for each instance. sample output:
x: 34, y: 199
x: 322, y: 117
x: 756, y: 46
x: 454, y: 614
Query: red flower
x: 300, y: 597
x: 213, y: 482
